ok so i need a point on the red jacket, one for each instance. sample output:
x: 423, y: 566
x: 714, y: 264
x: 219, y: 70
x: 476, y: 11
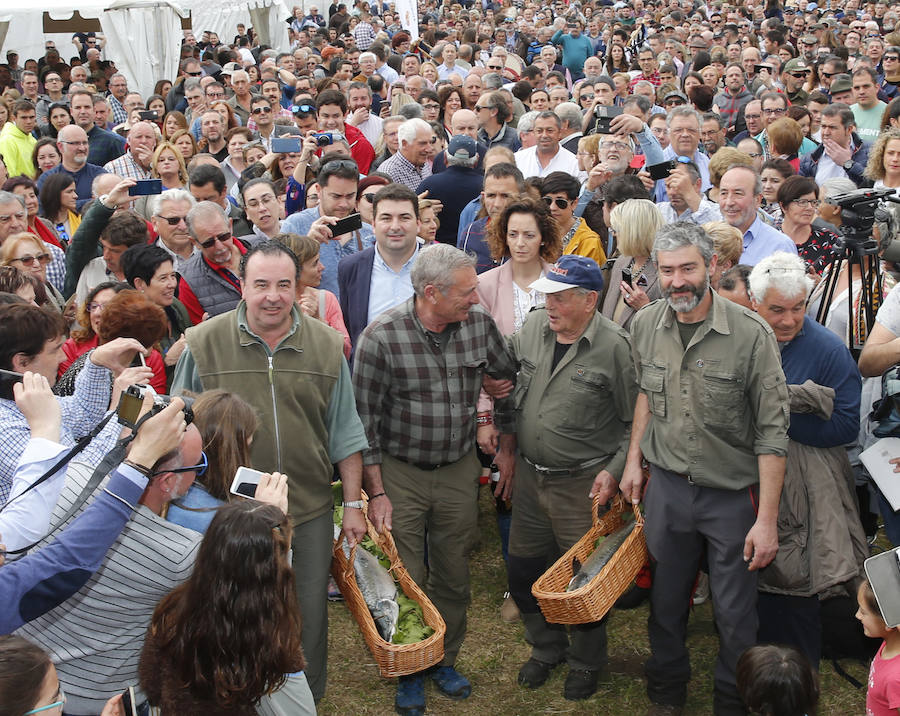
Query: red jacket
x: 360, y: 149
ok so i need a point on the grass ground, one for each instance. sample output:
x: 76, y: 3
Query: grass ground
x: 494, y: 651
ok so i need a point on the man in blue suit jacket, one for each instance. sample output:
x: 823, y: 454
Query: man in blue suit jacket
x: 378, y: 278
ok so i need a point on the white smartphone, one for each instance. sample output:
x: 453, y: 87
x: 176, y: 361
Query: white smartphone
x: 245, y: 482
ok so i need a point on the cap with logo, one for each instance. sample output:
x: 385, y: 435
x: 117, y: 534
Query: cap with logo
x: 569, y: 272
x: 796, y: 65
x: 462, y: 146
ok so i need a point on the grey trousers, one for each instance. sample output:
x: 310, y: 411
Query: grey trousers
x: 680, y: 519
x: 311, y: 544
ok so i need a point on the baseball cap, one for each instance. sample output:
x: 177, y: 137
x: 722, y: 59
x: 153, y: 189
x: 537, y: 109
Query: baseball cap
x: 841, y: 83
x: 230, y: 68
x: 462, y: 146
x: 796, y: 65
x: 570, y: 271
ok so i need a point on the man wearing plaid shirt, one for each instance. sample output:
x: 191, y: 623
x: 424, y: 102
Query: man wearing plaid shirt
x: 364, y: 33
x: 417, y: 373
x: 135, y: 163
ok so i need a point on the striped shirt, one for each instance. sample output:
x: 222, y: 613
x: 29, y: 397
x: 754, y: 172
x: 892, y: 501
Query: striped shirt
x: 416, y: 392
x: 403, y: 171
x: 95, y: 637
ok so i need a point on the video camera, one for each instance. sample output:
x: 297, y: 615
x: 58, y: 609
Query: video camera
x: 859, y: 211
x: 132, y: 400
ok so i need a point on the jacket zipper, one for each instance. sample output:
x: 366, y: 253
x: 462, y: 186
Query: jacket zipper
x: 275, y: 413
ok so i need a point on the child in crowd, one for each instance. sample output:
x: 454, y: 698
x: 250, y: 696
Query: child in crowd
x: 883, y: 696
x: 777, y: 681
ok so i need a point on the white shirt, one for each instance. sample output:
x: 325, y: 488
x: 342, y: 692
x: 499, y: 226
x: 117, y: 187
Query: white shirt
x: 706, y: 211
x: 827, y: 169
x: 371, y: 128
x: 26, y: 520
x: 389, y: 288
x: 528, y: 164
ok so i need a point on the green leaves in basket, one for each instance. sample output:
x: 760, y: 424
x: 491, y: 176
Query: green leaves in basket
x: 411, y: 626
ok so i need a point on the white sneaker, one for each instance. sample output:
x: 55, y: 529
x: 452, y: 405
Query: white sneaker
x: 701, y: 593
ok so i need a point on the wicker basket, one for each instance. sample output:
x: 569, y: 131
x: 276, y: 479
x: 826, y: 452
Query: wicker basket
x: 392, y: 659
x: 591, y: 602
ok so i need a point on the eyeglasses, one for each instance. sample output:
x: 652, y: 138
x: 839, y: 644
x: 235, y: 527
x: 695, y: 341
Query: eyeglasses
x: 221, y: 238
x: 172, y: 220
x: 774, y: 112
x: 42, y: 259
x: 560, y: 203
x: 60, y: 701
x: 810, y: 203
x: 890, y: 58
x: 584, y: 95
x: 264, y: 199
x: 93, y: 307
x: 199, y: 468
x: 261, y: 110
x: 76, y: 144
x: 612, y: 144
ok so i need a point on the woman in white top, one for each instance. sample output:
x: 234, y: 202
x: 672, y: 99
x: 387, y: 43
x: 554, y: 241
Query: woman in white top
x: 884, y: 161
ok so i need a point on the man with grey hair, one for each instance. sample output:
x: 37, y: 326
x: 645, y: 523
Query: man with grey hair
x: 711, y: 420
x: 209, y: 281
x: 168, y: 214
x: 417, y: 372
x: 571, y: 118
x: 411, y: 165
x: 135, y: 162
x: 491, y: 81
x: 525, y: 129
x: 118, y: 88
x: 456, y: 186
x: 822, y: 542
x: 242, y: 98
x: 684, y: 135
x: 493, y: 117
x: 740, y: 196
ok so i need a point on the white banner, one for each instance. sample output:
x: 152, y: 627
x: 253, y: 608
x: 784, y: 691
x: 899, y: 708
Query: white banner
x: 409, y: 17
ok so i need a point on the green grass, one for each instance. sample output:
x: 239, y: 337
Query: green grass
x: 493, y: 652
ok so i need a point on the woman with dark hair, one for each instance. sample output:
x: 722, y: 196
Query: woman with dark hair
x: 23, y: 285
x: 127, y: 315
x: 702, y: 97
x: 45, y: 156
x: 150, y: 270
x: 365, y: 195
x: 799, y: 200
x: 88, y: 316
x: 229, y: 118
x: 230, y: 635
x: 58, y: 116
x: 162, y: 88
x: 700, y: 60
x: 226, y: 423
x: 773, y: 174
x: 616, y: 59
x: 58, y: 204
x: 691, y: 79
x: 155, y: 103
x: 450, y: 99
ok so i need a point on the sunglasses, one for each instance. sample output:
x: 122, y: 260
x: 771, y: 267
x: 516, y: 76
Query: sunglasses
x: 829, y: 74
x: 370, y: 197
x: 799, y: 75
x: 173, y: 220
x: 674, y: 102
x: 262, y: 110
x: 209, y: 243
x: 560, y: 203
x: 303, y: 109
x: 199, y: 468
x: 42, y: 259
x: 194, y: 74
x: 890, y: 58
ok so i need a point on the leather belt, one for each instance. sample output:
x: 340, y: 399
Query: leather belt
x: 545, y: 471
x: 426, y: 466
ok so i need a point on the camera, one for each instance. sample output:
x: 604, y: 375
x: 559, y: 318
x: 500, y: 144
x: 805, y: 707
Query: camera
x: 859, y: 210
x: 132, y: 400
x: 324, y: 139
x: 603, y: 116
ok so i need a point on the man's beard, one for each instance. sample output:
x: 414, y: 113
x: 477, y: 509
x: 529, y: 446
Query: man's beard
x: 689, y: 303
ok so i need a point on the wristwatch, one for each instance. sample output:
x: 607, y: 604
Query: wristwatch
x: 848, y: 165
x: 353, y: 505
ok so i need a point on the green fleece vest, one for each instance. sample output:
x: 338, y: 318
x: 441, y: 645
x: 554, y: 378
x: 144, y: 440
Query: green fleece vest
x: 290, y: 390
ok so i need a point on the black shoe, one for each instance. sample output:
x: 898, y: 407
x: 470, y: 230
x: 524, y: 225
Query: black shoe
x: 534, y: 673
x: 580, y: 684
x: 633, y: 598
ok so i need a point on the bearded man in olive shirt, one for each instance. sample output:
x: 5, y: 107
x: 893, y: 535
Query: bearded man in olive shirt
x: 711, y: 419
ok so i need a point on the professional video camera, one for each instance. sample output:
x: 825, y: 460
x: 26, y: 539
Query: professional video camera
x: 860, y: 209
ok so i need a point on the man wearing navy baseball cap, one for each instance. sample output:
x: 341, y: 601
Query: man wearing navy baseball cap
x: 563, y: 437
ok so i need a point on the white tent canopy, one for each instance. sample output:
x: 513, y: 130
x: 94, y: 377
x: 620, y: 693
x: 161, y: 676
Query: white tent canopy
x: 143, y: 37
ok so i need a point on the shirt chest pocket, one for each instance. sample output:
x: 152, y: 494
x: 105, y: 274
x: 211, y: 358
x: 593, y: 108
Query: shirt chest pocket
x: 588, y: 394
x: 724, y: 408
x: 523, y: 382
x: 653, y: 385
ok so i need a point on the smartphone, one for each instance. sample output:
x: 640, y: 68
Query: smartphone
x: 8, y: 379
x: 138, y: 361
x: 150, y: 114
x: 345, y: 226
x: 245, y: 482
x: 286, y: 145
x: 626, y: 275
x: 129, y: 702
x: 146, y: 187
x: 661, y: 170
x: 604, y: 116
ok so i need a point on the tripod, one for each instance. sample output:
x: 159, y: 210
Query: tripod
x: 863, y: 256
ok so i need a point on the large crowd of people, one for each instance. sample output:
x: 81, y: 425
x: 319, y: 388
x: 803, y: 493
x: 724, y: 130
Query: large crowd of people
x: 593, y: 248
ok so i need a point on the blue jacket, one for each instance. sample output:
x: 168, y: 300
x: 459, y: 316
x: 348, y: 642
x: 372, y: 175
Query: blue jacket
x: 43, y: 580
x: 809, y: 163
x: 354, y: 279
x: 454, y: 188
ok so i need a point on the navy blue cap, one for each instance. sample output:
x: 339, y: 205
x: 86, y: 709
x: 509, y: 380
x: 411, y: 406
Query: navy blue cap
x: 571, y: 271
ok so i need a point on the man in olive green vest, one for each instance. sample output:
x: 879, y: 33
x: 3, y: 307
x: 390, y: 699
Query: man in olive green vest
x: 291, y: 369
